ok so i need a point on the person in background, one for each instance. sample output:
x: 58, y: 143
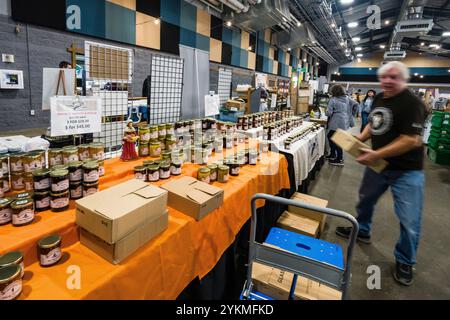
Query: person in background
x: 366, y: 108
x: 340, y: 116
x: 395, y: 127
x: 65, y: 65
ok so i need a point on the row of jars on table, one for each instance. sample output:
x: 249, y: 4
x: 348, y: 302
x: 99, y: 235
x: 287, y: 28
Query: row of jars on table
x: 12, y: 267
x: 299, y: 135
x: 259, y: 119
x: 279, y: 128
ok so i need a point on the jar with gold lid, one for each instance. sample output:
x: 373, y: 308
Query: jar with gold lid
x: 59, y: 201
x: 155, y: 148
x: 213, y: 172
x: 140, y: 173
x: 13, y: 258
x: 90, y: 172
x: 204, y: 175
x: 175, y: 168
x: 16, y: 162
x: 164, y: 170
x: 31, y: 162
x: 83, y: 152
x: 222, y: 173
x: 69, y: 154
x: 90, y: 188
x: 10, y: 282
x: 41, y: 179
x: 153, y: 131
x: 41, y: 201
x: 161, y: 131
x: 22, y: 212
x: 153, y: 172
x: 49, y: 250
x: 144, y: 133
x: 55, y: 157
x: 28, y: 181
x: 5, y: 211
x: 60, y: 180
x: 143, y: 149
x: 17, y: 181
x: 97, y: 151
x: 75, y: 171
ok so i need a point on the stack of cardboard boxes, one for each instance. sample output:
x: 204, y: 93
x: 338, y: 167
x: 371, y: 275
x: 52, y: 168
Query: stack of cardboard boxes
x: 116, y: 222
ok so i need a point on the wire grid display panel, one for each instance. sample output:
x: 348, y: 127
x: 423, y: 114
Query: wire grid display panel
x: 224, y: 85
x: 166, y: 88
x: 109, y: 69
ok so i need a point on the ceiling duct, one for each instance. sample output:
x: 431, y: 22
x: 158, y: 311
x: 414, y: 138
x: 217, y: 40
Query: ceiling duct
x: 411, y: 23
x: 264, y: 15
x: 394, y: 55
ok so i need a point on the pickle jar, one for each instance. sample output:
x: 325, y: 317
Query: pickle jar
x: 155, y: 148
x: 13, y: 258
x: 70, y: 154
x: 5, y: 211
x: 166, y: 156
x: 175, y: 168
x: 161, y: 131
x: 10, y: 282
x: 83, y: 152
x: 55, y: 157
x: 143, y: 149
x: 60, y: 180
x: 17, y: 181
x: 59, y: 201
x: 28, y: 181
x: 153, y: 173
x: 90, y: 188
x: 171, y: 143
x: 49, y: 250
x: 140, y: 173
x: 90, y: 172
x: 22, y: 212
x: 41, y: 179
x: 32, y: 161
x: 170, y: 129
x: 222, y: 173
x: 213, y: 172
x: 204, y: 175
x: 97, y: 151
x: 144, y: 133
x: 41, y: 201
x: 75, y: 190
x: 75, y: 171
x: 153, y: 130
x: 164, y: 170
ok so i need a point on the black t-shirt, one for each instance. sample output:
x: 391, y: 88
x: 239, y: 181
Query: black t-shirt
x: 394, y: 116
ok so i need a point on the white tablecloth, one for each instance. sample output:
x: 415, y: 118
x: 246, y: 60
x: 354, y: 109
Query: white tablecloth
x: 305, y: 152
x: 253, y: 133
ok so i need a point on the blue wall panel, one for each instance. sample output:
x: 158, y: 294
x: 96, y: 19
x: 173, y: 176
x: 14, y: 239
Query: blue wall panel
x: 125, y: 31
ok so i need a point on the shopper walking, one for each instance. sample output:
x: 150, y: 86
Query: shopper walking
x: 366, y: 108
x: 395, y: 126
x: 340, y: 116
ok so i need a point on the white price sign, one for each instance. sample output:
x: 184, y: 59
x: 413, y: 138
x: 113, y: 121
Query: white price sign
x: 75, y: 115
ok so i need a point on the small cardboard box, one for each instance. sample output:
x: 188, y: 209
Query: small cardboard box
x: 117, y: 252
x: 116, y: 212
x: 277, y: 284
x: 310, y: 214
x: 299, y: 224
x: 353, y: 146
x: 193, y: 197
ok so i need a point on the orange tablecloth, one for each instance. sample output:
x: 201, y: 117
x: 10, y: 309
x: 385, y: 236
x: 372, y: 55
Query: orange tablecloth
x: 162, y: 268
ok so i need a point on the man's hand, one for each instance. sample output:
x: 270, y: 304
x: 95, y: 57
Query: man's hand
x: 358, y: 136
x: 369, y: 157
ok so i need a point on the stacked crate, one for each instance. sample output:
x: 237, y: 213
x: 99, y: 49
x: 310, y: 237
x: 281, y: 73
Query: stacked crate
x: 439, y: 140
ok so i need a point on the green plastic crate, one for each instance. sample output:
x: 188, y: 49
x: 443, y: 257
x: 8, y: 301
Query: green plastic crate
x: 439, y: 156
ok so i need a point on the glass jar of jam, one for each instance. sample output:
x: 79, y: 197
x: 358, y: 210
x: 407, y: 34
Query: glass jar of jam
x: 60, y: 180
x: 10, y: 282
x: 41, y: 201
x: 28, y: 181
x: 59, y: 201
x: 153, y: 130
x: 162, y: 143
x: 2, y: 192
x: 153, y: 173
x: 55, y: 157
x: 41, y: 179
x: 101, y: 168
x: 155, y: 148
x: 83, y: 152
x: 140, y: 173
x: 22, y: 212
x: 161, y: 131
x: 144, y: 133
x: 5, y: 186
x: 166, y: 156
x: 49, y: 250
x: 13, y: 258
x: 75, y: 171
x: 97, y: 151
x: 60, y: 167
x: 228, y: 142
x: 90, y: 188
x: 4, y: 165
x: 234, y: 168
x: 222, y: 173
x: 16, y: 162
x: 204, y: 175
x: 175, y: 168
x: 90, y: 172
x: 171, y: 143
x: 164, y: 170
x: 170, y: 129
x: 31, y: 162
x: 213, y: 172
x: 5, y: 211
x: 252, y: 157
x: 264, y: 146
x: 70, y: 154
x: 17, y: 181
x: 143, y: 149
x: 76, y: 190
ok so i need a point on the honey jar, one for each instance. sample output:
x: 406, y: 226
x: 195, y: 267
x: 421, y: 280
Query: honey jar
x: 28, y: 181
x: 16, y: 162
x: 49, y: 250
x: 83, y: 152
x: 70, y: 154
x: 97, y: 151
x: 31, y: 162
x: 101, y: 168
x: 155, y: 148
x: 17, y: 181
x: 22, y: 212
x: 143, y: 149
x: 55, y: 157
x: 144, y: 133
x: 213, y: 172
x: 4, y: 165
x: 5, y: 186
x: 5, y: 211
x: 10, y: 282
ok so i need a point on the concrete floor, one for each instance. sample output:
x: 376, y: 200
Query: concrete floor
x: 432, y: 279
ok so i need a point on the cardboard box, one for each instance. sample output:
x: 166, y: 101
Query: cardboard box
x: 119, y: 251
x: 310, y: 214
x: 277, y: 284
x: 299, y: 224
x: 353, y: 146
x: 116, y: 212
x: 193, y: 197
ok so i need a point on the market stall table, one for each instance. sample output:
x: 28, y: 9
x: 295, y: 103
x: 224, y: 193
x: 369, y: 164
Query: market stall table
x: 162, y: 268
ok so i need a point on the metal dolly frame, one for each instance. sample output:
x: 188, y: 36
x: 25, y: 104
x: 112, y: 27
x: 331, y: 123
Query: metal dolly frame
x: 299, y: 265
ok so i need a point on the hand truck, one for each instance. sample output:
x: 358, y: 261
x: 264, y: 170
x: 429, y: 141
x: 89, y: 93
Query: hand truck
x: 312, y: 258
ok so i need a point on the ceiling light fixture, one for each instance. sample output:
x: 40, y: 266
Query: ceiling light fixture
x: 356, y: 39
x: 359, y: 55
x: 346, y: 1
x: 421, y: 76
x: 299, y: 24
x: 422, y: 43
x: 386, y: 22
x: 446, y: 34
x: 157, y: 21
x: 342, y: 43
x: 229, y: 24
x: 250, y: 48
x: 352, y: 24
x: 359, y: 59
x: 289, y: 49
x: 382, y: 46
x: 358, y: 48
x: 370, y: 69
x: 416, y: 74
x: 434, y: 45
x: 333, y: 25
x: 304, y: 60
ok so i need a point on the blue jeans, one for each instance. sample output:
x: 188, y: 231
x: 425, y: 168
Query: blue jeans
x: 364, y: 120
x: 407, y: 190
x: 335, y: 150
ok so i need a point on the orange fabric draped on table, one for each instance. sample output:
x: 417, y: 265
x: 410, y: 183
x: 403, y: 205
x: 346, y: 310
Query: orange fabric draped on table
x: 162, y: 268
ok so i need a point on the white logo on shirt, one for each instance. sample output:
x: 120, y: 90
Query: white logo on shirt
x: 381, y: 120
